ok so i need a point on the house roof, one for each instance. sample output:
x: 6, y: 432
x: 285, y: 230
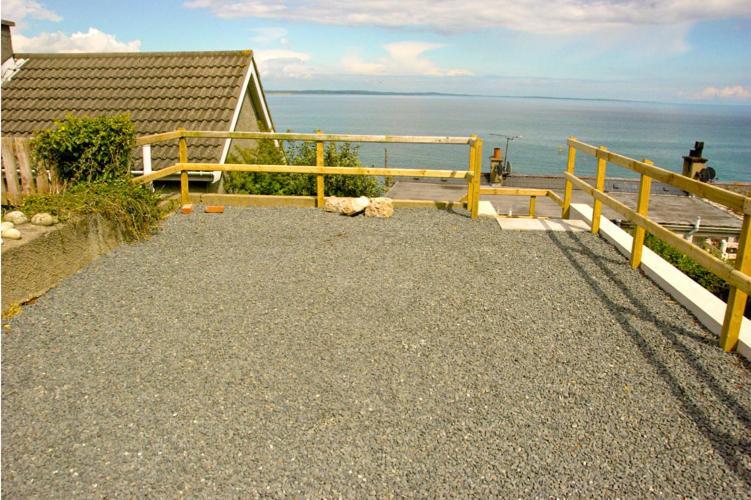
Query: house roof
x: 161, y: 90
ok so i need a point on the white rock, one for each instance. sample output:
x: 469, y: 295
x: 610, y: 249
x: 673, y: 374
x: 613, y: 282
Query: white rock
x: 16, y: 217
x: 380, y: 207
x: 11, y: 234
x: 346, y: 206
x: 6, y: 225
x: 43, y: 219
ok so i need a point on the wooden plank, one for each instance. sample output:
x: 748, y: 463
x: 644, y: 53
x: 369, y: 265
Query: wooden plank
x: 253, y: 200
x: 311, y: 169
x: 717, y: 194
x: 184, y: 189
x: 42, y: 181
x: 532, y: 202
x: 320, y: 185
x: 9, y: 167
x: 568, y: 188
x: 642, y: 208
x: 477, y: 174
x: 470, y: 167
x: 509, y: 191
x: 164, y: 172
x: 23, y: 155
x: 722, y: 270
x: 441, y: 205
x: 554, y: 197
x: 154, y: 138
x: 182, y: 147
x: 731, y: 326
x: 287, y: 136
x: 600, y: 186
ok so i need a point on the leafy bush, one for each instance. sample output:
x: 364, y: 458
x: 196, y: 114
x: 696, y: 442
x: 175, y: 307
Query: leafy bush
x: 687, y: 266
x: 299, y: 153
x: 84, y: 149
x: 134, y: 208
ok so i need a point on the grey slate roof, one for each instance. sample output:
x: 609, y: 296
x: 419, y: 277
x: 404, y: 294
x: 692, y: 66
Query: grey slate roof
x: 161, y: 91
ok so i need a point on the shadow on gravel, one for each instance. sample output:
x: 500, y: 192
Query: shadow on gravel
x: 733, y: 450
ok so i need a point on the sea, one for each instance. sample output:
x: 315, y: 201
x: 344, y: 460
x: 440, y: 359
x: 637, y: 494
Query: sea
x: 660, y: 132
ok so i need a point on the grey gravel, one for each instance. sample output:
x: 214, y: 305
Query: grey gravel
x: 293, y: 352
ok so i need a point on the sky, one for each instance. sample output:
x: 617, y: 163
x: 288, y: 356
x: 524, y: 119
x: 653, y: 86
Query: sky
x: 654, y: 50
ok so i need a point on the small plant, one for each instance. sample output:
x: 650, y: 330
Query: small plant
x: 133, y: 207
x: 84, y: 149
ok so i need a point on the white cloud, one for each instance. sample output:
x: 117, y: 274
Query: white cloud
x: 20, y: 10
x: 90, y: 41
x: 736, y: 92
x: 535, y: 16
x: 267, y: 36
x: 404, y: 58
x: 283, y: 63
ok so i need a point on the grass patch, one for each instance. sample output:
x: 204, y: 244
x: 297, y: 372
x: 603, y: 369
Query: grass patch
x: 133, y: 207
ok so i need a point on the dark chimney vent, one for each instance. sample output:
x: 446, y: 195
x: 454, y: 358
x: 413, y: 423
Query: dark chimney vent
x: 7, y: 42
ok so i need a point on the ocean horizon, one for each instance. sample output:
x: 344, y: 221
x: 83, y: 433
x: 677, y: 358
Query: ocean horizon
x: 661, y: 132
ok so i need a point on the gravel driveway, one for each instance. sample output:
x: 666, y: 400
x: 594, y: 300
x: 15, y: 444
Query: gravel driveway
x: 292, y: 352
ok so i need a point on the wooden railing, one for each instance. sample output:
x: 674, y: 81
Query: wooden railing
x: 471, y: 175
x: 20, y: 177
x: 738, y: 277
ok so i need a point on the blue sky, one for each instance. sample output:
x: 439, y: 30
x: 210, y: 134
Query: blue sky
x: 674, y: 50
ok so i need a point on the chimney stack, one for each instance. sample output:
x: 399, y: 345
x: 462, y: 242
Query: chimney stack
x: 7, y: 42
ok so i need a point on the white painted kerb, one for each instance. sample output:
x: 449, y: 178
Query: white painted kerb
x: 707, y: 308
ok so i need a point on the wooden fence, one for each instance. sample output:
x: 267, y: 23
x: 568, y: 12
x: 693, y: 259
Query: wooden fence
x: 471, y: 175
x: 20, y: 177
x: 738, y: 276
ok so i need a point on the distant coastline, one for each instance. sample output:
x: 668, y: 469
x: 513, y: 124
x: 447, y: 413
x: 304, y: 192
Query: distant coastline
x: 444, y: 94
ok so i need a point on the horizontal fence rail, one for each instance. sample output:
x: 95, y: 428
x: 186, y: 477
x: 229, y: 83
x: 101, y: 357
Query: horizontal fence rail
x: 738, y: 277
x: 320, y: 170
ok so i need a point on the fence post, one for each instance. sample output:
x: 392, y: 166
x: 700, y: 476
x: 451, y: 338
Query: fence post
x: 471, y: 168
x: 182, y: 145
x: 642, y: 208
x: 731, y: 326
x: 23, y: 155
x: 476, y: 179
x: 532, y: 203
x: 568, y: 189
x: 602, y: 164
x: 320, y: 186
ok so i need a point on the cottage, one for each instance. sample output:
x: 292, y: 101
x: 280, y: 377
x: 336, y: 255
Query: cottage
x: 161, y: 90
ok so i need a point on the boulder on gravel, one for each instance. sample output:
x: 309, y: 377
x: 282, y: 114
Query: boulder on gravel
x: 11, y: 234
x: 44, y: 219
x: 346, y: 206
x: 6, y: 225
x: 380, y: 207
x: 16, y: 217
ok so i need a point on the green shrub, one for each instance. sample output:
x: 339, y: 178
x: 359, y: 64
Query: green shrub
x: 299, y: 153
x: 135, y: 208
x: 84, y: 149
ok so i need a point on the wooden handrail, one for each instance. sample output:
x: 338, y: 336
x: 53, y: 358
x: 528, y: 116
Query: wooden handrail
x: 722, y: 196
x: 288, y: 136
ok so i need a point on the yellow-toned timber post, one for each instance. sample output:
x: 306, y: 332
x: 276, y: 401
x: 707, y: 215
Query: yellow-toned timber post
x: 471, y: 168
x: 568, y: 190
x: 737, y: 299
x: 182, y: 146
x: 476, y: 175
x: 642, y: 208
x: 532, y: 203
x: 320, y: 186
x: 602, y: 165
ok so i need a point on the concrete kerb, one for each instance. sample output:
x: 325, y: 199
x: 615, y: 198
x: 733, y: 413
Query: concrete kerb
x: 705, y: 306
